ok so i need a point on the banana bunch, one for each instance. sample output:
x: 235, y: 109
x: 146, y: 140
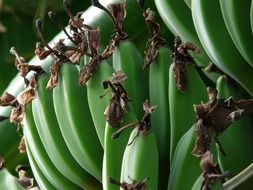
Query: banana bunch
x: 85, y: 112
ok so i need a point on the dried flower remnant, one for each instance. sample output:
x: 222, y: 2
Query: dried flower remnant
x: 118, y: 102
x: 23, y: 66
x: 23, y: 178
x: 22, y: 146
x: 7, y: 99
x: 211, y: 171
x: 54, y: 76
x: 144, y: 125
x: 156, y: 39
x: 135, y: 185
x: 181, y: 59
x: 214, y: 117
x: 1, y: 162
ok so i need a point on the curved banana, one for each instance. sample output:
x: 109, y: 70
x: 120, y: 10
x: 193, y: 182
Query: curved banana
x: 98, y: 105
x: 113, y: 152
x: 241, y: 130
x: 51, y: 137
x: 182, y: 114
x: 128, y: 59
x: 197, y: 184
x: 76, y: 125
x: 177, y: 16
x: 38, y: 175
x: 236, y: 16
x: 184, y: 165
x: 40, y: 155
x: 218, y: 44
x: 160, y: 122
x: 140, y: 159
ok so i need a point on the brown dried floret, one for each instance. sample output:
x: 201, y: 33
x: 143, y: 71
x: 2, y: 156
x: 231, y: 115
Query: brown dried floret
x: 7, y: 99
x: 135, y: 185
x: 181, y: 59
x: 156, y: 39
x: 54, y: 76
x: 23, y: 178
x: 22, y: 146
x: 118, y: 102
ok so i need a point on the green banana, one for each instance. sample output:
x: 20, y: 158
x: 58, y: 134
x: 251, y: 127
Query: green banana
x: 241, y: 130
x: 98, y: 105
x: 181, y: 104
x: 113, y: 152
x: 177, y: 16
x: 42, y: 181
x: 218, y: 44
x: 128, y: 59
x: 51, y: 137
x: 140, y: 159
x: 197, y: 184
x: 237, y: 20
x: 8, y: 181
x: 76, y: 126
x: 40, y: 155
x: 160, y: 122
x: 184, y: 165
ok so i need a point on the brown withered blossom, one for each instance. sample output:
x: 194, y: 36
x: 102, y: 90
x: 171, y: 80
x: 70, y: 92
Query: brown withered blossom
x: 7, y: 99
x: 211, y: 171
x: 118, y: 102
x: 181, y: 59
x: 23, y: 178
x: 54, y: 76
x: 23, y: 67
x: 156, y: 39
x: 29, y: 94
x: 22, y: 146
x: 135, y: 185
x: 144, y: 125
x: 214, y: 117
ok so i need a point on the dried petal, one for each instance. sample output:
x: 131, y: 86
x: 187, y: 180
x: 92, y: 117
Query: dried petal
x: 53, y: 80
x: 25, y: 181
x: 118, y: 12
x: 88, y: 70
x: 22, y: 146
x: 7, y: 99
x: 93, y: 37
x: 17, y: 115
x: 118, y: 77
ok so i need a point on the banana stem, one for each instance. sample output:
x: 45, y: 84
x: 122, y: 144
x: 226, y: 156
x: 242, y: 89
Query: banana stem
x: 239, y: 178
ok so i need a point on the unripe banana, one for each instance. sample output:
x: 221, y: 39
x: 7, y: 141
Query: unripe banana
x: 77, y: 126
x: 184, y: 165
x: 113, y: 152
x: 8, y: 181
x: 128, y: 59
x: 160, y: 122
x: 241, y: 130
x: 177, y: 16
x: 40, y: 155
x: 182, y: 114
x: 98, y: 105
x: 236, y: 16
x: 140, y: 159
x: 51, y: 137
x: 40, y: 178
x: 218, y: 44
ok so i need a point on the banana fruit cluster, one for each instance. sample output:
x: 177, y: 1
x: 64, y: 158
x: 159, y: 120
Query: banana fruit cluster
x: 106, y: 114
